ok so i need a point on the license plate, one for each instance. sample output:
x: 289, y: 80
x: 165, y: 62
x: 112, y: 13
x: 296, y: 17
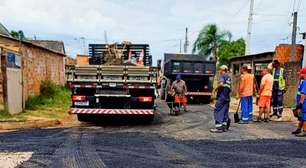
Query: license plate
x: 112, y: 85
x: 85, y: 103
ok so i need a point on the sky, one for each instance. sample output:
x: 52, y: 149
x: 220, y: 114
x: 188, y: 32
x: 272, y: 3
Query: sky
x: 160, y: 23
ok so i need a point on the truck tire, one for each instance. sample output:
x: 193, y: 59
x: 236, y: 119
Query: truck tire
x: 206, y: 100
x: 83, y: 118
x: 149, y: 119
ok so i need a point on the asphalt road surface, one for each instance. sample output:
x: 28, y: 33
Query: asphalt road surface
x: 182, y: 141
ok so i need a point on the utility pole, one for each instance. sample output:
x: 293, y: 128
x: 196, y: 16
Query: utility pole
x: 304, y: 56
x: 293, y: 38
x: 250, y: 22
x: 186, y: 44
x: 105, y: 37
x: 180, y: 45
x: 84, y: 46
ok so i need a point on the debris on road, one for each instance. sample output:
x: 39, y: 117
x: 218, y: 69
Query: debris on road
x: 12, y: 160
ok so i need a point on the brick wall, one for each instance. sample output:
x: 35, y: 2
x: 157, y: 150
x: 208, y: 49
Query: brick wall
x: 39, y: 64
x: 282, y: 53
x: 82, y: 59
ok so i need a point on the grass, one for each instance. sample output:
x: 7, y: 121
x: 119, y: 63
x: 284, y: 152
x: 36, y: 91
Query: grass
x: 52, y: 103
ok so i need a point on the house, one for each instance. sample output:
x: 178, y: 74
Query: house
x: 257, y: 61
x: 261, y: 60
x: 57, y: 46
x: 4, y: 31
x: 24, y: 65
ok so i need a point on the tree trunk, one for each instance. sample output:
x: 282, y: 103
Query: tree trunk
x: 214, y: 54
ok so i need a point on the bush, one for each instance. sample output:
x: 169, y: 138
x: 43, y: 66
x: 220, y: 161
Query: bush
x: 48, y: 89
x: 51, y: 94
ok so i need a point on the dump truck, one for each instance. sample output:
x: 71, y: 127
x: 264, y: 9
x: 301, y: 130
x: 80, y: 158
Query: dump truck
x: 197, y: 72
x: 119, y: 80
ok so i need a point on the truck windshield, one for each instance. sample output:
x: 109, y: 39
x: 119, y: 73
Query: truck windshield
x: 187, y: 67
x: 198, y: 68
x: 176, y: 67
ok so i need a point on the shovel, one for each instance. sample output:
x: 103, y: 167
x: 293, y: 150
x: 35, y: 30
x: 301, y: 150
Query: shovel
x: 236, y: 115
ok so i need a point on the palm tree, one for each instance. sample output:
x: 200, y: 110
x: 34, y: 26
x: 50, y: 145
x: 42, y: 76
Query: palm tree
x: 209, y: 39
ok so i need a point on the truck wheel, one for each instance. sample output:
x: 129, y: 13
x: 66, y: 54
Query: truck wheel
x: 205, y: 100
x: 149, y: 118
x: 83, y: 118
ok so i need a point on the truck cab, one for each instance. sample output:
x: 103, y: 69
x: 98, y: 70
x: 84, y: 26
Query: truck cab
x: 196, y: 72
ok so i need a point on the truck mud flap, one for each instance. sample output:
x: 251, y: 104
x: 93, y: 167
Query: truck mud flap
x: 113, y: 111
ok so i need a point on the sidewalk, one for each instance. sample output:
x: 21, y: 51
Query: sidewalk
x: 287, y: 113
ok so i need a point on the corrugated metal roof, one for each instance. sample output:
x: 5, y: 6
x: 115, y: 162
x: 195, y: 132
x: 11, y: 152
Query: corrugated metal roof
x: 254, y: 55
x: 51, y: 44
x: 4, y: 31
x: 33, y: 44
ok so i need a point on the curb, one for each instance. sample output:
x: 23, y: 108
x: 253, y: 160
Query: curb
x: 28, y: 124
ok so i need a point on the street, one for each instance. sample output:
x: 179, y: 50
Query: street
x: 182, y: 141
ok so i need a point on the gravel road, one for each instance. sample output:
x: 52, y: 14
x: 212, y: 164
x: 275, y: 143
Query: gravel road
x: 182, y: 141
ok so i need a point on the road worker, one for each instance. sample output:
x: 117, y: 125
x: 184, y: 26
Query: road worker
x: 246, y: 90
x: 279, y: 88
x: 255, y: 87
x: 301, y: 105
x: 221, y: 109
x: 180, y: 89
x: 265, y: 93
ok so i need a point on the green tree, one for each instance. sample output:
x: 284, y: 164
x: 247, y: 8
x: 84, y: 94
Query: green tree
x: 16, y: 34
x: 209, y: 40
x: 229, y: 49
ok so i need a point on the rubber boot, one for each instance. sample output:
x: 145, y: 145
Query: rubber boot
x: 297, y: 131
x: 217, y: 130
x: 302, y: 134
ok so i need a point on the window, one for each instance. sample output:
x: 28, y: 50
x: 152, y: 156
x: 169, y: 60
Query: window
x: 187, y: 67
x: 13, y: 60
x: 176, y: 67
x: 198, y: 68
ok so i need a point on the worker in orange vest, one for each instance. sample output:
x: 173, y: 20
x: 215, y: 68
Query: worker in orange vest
x: 246, y: 89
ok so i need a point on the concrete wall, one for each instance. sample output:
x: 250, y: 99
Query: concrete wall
x: 82, y: 59
x: 293, y: 80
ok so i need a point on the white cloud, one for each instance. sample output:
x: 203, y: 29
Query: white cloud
x: 157, y: 22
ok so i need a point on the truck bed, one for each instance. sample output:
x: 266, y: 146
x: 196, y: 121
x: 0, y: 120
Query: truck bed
x: 112, y: 90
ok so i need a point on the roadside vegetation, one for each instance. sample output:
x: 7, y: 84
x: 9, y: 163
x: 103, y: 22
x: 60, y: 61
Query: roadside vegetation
x: 52, y: 103
x: 218, y: 45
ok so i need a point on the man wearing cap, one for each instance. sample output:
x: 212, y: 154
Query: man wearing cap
x: 246, y: 89
x: 223, y: 89
x: 179, y: 87
x: 301, y: 105
x: 279, y: 88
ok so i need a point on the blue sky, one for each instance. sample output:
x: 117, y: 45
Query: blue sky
x: 160, y: 23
